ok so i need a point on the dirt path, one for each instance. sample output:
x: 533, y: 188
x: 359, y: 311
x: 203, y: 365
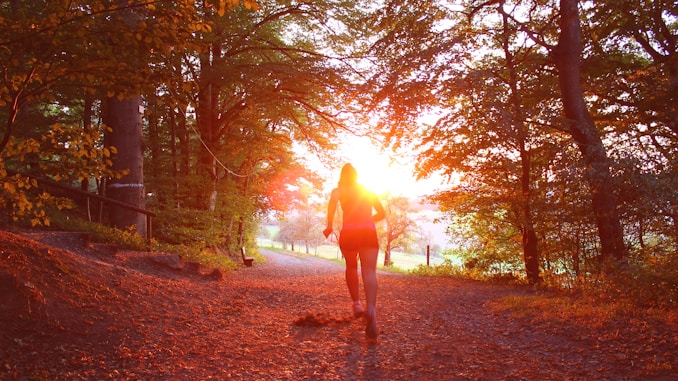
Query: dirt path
x: 430, y: 329
x: 289, y: 319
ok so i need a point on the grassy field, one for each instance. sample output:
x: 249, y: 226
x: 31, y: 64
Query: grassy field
x: 400, y: 261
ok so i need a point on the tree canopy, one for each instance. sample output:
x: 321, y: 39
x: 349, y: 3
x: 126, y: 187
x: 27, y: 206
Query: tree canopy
x: 537, y: 146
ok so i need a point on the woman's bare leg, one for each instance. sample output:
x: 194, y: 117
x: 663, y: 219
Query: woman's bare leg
x: 352, y: 278
x: 368, y: 267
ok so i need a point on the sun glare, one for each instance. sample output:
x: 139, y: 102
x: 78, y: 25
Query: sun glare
x: 378, y: 172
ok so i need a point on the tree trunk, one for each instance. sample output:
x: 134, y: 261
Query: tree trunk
x: 87, y: 114
x: 16, y: 103
x: 206, y: 112
x: 184, y: 159
x: 576, y: 262
x: 530, y: 249
x: 153, y: 128
x: 529, y: 235
x: 123, y: 117
x: 588, y: 139
x: 387, y: 255
x: 672, y: 96
x: 207, y: 118
x: 175, y: 163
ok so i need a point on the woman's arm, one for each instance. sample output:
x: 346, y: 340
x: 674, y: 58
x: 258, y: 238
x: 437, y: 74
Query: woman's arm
x: 331, y: 210
x: 376, y: 204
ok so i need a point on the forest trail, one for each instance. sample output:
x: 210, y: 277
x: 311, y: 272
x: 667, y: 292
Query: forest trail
x: 103, y: 315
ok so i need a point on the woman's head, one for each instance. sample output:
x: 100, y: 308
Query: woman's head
x: 349, y: 176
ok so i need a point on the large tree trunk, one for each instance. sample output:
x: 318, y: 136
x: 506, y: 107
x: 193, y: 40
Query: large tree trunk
x: 588, y: 139
x: 123, y: 117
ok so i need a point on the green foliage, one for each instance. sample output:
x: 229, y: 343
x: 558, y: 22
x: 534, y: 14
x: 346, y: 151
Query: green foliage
x: 189, y: 227
x: 24, y: 203
x: 490, y: 243
x: 55, y: 54
x: 125, y: 239
x: 473, y: 264
x: 206, y: 257
x: 191, y: 250
x: 269, y: 92
x: 653, y: 285
x: 66, y: 154
x: 445, y: 269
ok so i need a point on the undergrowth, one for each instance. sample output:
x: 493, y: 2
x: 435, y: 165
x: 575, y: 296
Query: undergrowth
x: 634, y: 292
x: 634, y: 295
x: 449, y: 269
x: 210, y: 257
x: 445, y: 269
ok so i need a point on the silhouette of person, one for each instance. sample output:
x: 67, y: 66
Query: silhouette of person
x: 358, y: 238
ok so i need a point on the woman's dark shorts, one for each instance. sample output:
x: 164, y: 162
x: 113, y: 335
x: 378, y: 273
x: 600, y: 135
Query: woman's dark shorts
x: 356, y: 239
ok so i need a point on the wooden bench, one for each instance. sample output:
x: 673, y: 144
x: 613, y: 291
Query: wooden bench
x: 245, y: 259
